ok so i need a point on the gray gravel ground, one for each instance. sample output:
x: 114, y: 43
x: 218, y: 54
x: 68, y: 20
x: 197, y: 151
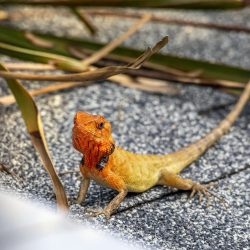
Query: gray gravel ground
x: 159, y: 218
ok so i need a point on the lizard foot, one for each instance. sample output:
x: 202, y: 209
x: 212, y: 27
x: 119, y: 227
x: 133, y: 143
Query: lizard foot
x: 97, y: 212
x: 203, y: 190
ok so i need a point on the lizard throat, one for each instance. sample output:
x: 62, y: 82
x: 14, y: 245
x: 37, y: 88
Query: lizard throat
x: 94, y: 158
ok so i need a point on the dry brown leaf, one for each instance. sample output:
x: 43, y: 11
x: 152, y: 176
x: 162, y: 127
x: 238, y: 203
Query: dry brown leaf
x: 38, y: 41
x: 82, y: 53
x: 169, y: 20
x: 117, y: 41
x: 78, y: 52
x: 9, y: 99
x: 152, y: 82
x: 203, y: 81
x: 85, y: 19
x: 187, y: 79
x: 143, y: 84
x: 29, y: 66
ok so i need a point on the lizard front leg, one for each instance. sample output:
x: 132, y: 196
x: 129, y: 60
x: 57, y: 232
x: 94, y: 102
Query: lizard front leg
x: 112, y: 206
x: 83, y: 189
x: 115, y: 182
x: 174, y: 180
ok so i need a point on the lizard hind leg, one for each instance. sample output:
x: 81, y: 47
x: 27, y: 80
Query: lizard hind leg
x: 175, y: 181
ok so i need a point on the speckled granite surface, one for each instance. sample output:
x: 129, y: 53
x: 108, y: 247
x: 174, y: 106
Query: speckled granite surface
x: 159, y: 218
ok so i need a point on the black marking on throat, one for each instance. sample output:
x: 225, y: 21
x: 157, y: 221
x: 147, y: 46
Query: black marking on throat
x: 82, y: 161
x: 101, y: 164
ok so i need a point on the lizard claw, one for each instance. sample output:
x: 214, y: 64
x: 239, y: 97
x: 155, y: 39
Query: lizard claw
x: 203, y: 190
x: 97, y: 212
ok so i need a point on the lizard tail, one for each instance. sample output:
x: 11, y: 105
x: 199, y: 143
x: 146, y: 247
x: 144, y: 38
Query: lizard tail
x: 185, y: 156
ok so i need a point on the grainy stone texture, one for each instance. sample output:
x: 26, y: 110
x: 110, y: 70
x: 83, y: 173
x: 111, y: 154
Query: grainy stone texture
x: 159, y: 218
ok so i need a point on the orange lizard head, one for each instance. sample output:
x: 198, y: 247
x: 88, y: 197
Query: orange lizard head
x: 92, y: 137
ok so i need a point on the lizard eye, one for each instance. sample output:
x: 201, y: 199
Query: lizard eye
x: 100, y: 125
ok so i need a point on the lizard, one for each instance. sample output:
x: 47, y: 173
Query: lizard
x: 124, y: 171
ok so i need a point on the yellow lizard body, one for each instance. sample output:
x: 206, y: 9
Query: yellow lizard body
x: 139, y: 172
